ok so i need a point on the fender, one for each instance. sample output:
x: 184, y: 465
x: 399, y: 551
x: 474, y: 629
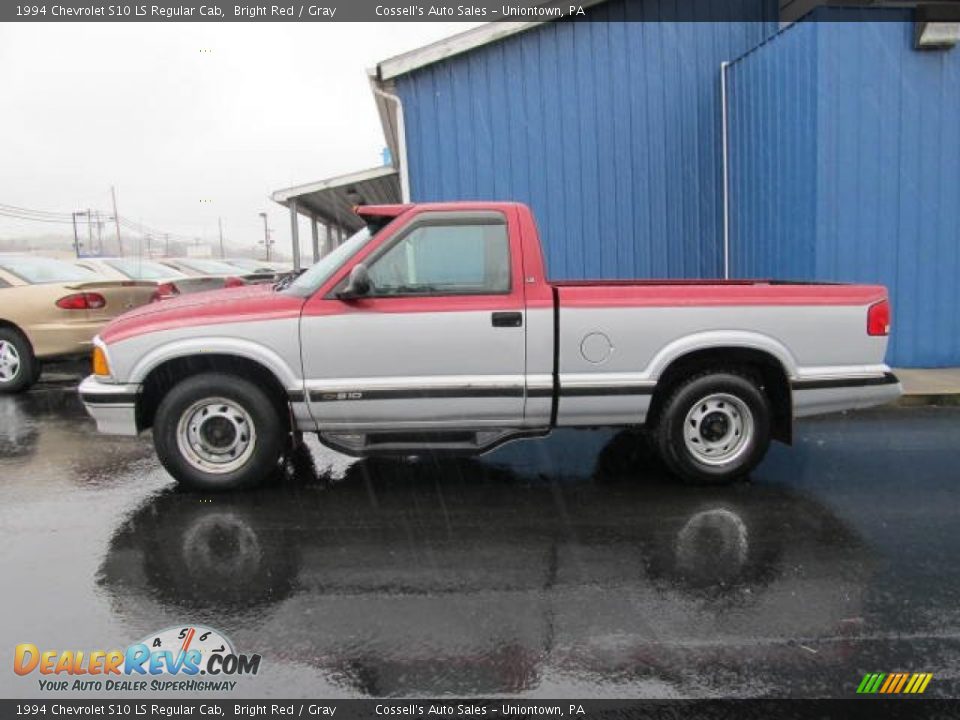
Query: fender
x: 721, y: 339
x: 194, y: 347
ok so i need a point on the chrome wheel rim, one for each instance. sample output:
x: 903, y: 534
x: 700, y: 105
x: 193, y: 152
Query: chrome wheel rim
x: 718, y: 429
x: 9, y: 361
x: 216, y: 435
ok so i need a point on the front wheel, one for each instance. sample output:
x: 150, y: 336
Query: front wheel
x: 219, y: 432
x: 714, y: 428
x: 19, y: 368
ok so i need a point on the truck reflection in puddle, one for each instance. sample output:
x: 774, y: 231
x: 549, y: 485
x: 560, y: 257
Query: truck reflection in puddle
x: 456, y: 576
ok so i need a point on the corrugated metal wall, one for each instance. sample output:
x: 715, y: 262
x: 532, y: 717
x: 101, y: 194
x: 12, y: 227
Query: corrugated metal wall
x: 845, y: 165
x: 609, y: 130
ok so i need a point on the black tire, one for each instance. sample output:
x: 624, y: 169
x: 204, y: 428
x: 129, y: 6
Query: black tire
x: 27, y: 370
x: 258, y: 463
x: 745, y: 447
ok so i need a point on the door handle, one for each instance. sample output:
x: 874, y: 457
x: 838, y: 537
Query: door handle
x: 507, y: 319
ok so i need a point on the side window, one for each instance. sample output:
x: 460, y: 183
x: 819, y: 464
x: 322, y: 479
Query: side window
x: 462, y: 259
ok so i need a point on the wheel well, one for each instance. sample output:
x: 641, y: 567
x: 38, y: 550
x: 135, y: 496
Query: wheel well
x: 764, y: 367
x: 163, y: 377
x: 6, y: 324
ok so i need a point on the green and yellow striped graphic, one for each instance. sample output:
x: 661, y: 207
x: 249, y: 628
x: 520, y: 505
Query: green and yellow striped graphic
x: 894, y: 683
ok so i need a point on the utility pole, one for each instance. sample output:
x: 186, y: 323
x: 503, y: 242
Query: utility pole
x: 99, y: 234
x: 166, y: 244
x: 220, y: 228
x: 89, y: 230
x: 266, y: 235
x: 76, y: 238
x: 116, y: 218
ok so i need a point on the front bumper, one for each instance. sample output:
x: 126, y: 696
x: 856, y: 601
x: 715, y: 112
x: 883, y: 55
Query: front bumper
x: 114, y: 407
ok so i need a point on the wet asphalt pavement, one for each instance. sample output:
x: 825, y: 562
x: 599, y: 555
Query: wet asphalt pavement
x: 567, y: 567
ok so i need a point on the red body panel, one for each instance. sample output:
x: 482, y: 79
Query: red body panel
x: 713, y: 293
x: 529, y: 288
x: 243, y: 304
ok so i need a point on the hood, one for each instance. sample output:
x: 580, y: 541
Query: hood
x: 249, y: 303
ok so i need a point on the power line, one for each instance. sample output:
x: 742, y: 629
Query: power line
x: 49, y: 216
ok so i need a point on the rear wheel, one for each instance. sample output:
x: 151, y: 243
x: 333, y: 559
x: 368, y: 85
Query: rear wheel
x: 19, y: 369
x: 714, y: 428
x: 219, y: 432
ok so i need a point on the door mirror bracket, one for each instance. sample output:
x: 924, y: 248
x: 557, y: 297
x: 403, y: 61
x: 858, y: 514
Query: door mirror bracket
x: 358, y: 285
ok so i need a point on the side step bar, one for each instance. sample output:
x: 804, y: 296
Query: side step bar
x: 415, y: 442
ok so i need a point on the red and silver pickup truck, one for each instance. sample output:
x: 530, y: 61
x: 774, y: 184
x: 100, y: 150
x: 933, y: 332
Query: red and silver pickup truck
x: 435, y: 329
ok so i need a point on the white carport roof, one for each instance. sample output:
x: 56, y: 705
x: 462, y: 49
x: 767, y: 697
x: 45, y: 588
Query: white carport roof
x: 331, y: 201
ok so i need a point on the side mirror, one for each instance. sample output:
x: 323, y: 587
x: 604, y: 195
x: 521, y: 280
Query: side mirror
x: 358, y: 285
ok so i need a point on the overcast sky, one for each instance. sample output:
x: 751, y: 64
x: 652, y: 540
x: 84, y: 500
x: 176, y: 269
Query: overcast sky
x: 185, y: 135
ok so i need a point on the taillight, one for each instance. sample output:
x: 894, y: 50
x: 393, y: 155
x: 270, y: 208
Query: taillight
x: 234, y: 282
x: 878, y: 318
x: 164, y: 291
x: 82, y: 301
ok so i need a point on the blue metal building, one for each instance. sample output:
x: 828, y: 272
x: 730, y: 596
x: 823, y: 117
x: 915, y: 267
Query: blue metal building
x: 609, y: 130
x: 844, y: 151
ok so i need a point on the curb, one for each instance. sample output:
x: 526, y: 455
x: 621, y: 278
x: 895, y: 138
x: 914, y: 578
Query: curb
x: 929, y: 399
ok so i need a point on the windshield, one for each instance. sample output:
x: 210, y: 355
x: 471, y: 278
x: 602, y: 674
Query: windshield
x: 317, y: 274
x: 209, y: 267
x: 38, y: 270
x: 142, y: 269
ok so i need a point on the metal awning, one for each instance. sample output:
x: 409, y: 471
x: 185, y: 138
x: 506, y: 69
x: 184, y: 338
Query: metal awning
x: 331, y: 203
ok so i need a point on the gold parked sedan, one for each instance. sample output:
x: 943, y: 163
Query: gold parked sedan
x: 52, y: 309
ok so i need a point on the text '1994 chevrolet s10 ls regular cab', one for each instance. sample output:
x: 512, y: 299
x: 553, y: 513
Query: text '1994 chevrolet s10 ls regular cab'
x: 435, y: 329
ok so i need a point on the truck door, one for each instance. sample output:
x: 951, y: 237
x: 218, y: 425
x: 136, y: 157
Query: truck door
x: 439, y: 340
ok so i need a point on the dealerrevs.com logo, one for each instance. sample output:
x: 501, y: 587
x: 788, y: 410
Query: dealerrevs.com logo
x: 172, y: 659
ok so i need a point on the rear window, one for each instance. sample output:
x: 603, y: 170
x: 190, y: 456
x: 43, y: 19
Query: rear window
x: 142, y: 269
x: 39, y: 270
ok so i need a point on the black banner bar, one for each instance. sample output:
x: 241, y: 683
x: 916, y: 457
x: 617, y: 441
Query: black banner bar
x: 466, y: 11
x: 866, y: 708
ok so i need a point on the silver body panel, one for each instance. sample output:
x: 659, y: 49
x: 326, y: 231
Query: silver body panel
x: 426, y: 369
x: 358, y: 372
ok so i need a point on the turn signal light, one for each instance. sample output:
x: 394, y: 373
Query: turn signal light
x: 878, y: 318
x: 234, y: 282
x: 82, y: 301
x: 100, y: 365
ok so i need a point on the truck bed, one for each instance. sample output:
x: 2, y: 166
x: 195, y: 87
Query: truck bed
x: 618, y: 293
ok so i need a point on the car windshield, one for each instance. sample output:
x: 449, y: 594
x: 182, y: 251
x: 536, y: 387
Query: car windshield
x: 317, y: 274
x: 209, y: 267
x: 138, y: 269
x: 38, y: 270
